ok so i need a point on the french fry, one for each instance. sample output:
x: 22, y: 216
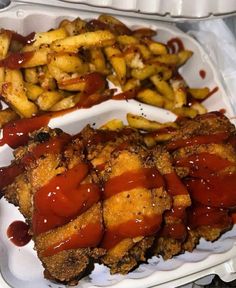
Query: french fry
x: 117, y: 61
x: 66, y: 103
x: 199, y: 93
x: 144, y: 51
x: 98, y: 61
x: 31, y: 75
x: 6, y: 116
x: 5, y: 40
x: 150, y: 97
x: 33, y: 91
x: 127, y: 40
x: 180, y: 94
x: 100, y: 38
x: 168, y: 59
x: 140, y: 122
x: 163, y: 87
x: 183, y: 56
x: 131, y: 84
x: 157, y: 48
x: 48, y: 98
x: 13, y: 92
x: 74, y: 27
x: 39, y: 57
x: 150, y: 70
x: 113, y: 125
x: 49, y: 37
x: 199, y: 108
x: 115, y: 25
x: 185, y: 112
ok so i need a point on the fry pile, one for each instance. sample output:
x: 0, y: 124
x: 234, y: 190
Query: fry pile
x: 73, y: 65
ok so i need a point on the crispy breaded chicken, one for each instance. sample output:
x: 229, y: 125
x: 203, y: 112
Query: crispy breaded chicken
x: 114, y: 159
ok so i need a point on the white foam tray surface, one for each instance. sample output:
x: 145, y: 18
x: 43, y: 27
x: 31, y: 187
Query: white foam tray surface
x: 20, y: 267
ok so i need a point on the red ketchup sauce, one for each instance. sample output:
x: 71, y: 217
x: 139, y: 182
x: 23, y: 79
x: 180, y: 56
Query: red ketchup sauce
x: 207, y: 183
x: 142, y: 225
x: 15, y: 133
x: 88, y: 236
x: 202, y: 74
x: 146, y: 177
x: 197, y: 140
x: 200, y: 215
x: 18, y: 233
x: 175, y: 45
x: 63, y: 198
x: 16, y: 60
x: 177, y: 229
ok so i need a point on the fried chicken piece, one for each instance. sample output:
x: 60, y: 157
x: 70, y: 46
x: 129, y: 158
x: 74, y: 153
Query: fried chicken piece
x: 169, y: 239
x: 65, y: 222
x: 125, y: 206
x: 206, y: 160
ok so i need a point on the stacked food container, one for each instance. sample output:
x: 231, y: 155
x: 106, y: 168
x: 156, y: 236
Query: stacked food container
x: 205, y: 27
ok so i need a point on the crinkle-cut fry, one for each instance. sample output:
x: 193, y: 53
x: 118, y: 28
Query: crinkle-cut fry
x: 13, y: 92
x: 31, y: 75
x: 185, y: 112
x: 150, y: 97
x: 140, y: 122
x: 41, y: 38
x: 48, y: 98
x: 183, y: 56
x: 157, y: 48
x: 150, y: 70
x: 117, y: 61
x: 199, y: 93
x: 100, y: 38
x: 39, y: 57
x: 69, y: 62
x: 66, y: 103
x: 33, y: 91
x: 163, y: 87
x: 180, y: 93
x: 113, y: 125
x: 6, y: 116
x: 98, y: 61
x: 199, y: 107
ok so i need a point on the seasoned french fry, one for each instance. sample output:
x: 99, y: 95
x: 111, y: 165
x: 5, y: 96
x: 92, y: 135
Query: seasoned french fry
x: 113, y: 125
x: 183, y: 56
x: 14, y: 94
x: 127, y: 40
x: 98, y: 61
x: 48, y: 98
x: 39, y: 57
x: 163, y: 87
x: 72, y: 84
x: 131, y: 84
x: 5, y: 39
x: 199, y: 108
x: 74, y: 27
x: 117, y: 61
x: 144, y: 51
x: 33, y: 91
x: 31, y: 75
x: 66, y: 103
x: 140, y: 122
x: 150, y: 70
x: 168, y: 59
x: 151, y: 97
x: 180, y: 94
x: 115, y: 24
x: 100, y: 38
x: 185, y: 112
x: 199, y: 93
x: 157, y: 48
x: 49, y: 37
x: 6, y: 116
x: 114, y: 80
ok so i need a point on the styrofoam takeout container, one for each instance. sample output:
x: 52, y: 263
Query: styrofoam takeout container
x: 20, y: 267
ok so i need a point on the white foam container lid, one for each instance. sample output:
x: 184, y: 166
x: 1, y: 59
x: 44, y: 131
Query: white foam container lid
x: 20, y: 267
x: 167, y: 10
